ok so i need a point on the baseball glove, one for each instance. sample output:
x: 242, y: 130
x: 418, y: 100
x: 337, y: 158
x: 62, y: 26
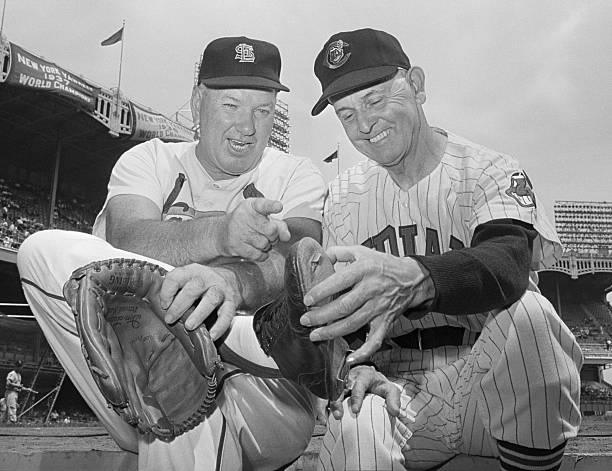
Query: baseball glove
x: 159, y: 378
x: 318, y: 366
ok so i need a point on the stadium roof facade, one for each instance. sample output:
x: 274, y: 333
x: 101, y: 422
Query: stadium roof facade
x: 65, y: 130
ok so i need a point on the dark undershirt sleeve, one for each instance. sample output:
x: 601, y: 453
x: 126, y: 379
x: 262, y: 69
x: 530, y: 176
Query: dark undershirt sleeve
x: 492, y: 273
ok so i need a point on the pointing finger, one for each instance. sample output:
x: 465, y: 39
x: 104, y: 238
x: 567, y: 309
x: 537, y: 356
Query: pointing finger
x: 265, y: 207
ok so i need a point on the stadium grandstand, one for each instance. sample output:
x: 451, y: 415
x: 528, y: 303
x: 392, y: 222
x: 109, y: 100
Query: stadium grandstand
x: 61, y: 135
x: 578, y: 284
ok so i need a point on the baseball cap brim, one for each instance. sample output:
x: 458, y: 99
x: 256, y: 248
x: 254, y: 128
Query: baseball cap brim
x: 243, y: 81
x: 355, y: 80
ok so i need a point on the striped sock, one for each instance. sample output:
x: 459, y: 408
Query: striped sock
x: 514, y: 457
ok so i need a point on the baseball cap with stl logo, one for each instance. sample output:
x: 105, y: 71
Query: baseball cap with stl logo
x: 241, y: 62
x: 353, y: 60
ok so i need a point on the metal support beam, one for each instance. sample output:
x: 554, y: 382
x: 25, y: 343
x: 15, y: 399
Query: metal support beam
x: 58, y: 388
x: 58, y: 157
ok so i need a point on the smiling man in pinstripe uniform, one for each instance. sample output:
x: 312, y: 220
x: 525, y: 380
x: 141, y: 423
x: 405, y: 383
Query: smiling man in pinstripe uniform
x: 437, y: 241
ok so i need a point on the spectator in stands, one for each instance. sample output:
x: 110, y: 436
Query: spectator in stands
x: 608, y: 344
x: 8, y: 241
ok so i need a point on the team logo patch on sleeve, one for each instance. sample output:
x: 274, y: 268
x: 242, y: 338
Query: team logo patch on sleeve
x: 520, y: 189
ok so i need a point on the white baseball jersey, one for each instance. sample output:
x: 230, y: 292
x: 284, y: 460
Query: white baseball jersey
x: 470, y: 186
x: 13, y: 381
x: 260, y: 423
x: 170, y: 175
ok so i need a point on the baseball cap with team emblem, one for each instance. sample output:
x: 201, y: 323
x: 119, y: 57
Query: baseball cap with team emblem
x: 353, y: 60
x: 241, y: 62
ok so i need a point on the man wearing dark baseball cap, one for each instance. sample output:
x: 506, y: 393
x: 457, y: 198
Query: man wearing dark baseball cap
x: 188, y: 206
x: 447, y: 296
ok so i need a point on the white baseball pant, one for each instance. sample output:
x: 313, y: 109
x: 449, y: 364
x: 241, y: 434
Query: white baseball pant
x: 259, y: 424
x: 519, y: 383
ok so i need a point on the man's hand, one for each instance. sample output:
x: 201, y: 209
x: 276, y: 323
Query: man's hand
x: 183, y: 286
x: 249, y: 232
x: 365, y: 379
x: 379, y: 288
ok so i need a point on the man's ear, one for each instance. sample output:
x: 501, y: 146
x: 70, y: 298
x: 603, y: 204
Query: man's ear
x: 416, y: 78
x: 196, y: 103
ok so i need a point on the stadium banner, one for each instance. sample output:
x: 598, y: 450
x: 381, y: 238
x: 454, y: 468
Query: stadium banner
x: 148, y: 125
x: 30, y: 71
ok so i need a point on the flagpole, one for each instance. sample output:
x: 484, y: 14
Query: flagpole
x: 120, y: 58
x: 2, y: 22
x: 116, y: 117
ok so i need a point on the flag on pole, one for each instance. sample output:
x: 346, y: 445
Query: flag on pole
x: 333, y: 156
x: 113, y: 38
x: 115, y: 115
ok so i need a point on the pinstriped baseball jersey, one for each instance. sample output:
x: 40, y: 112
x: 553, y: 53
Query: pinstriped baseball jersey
x: 470, y: 186
x: 518, y: 381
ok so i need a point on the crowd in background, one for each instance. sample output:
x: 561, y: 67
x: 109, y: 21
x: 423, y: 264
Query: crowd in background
x: 71, y: 417
x: 588, y: 330
x: 594, y: 390
x: 24, y: 209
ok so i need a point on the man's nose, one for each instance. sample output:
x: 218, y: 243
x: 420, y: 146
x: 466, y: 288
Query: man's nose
x: 246, y: 124
x: 365, y: 122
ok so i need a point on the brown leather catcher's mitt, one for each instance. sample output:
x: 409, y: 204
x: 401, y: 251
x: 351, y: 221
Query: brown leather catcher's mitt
x: 157, y: 377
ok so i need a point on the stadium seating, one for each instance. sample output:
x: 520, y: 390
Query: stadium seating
x: 601, y: 313
x: 24, y: 210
